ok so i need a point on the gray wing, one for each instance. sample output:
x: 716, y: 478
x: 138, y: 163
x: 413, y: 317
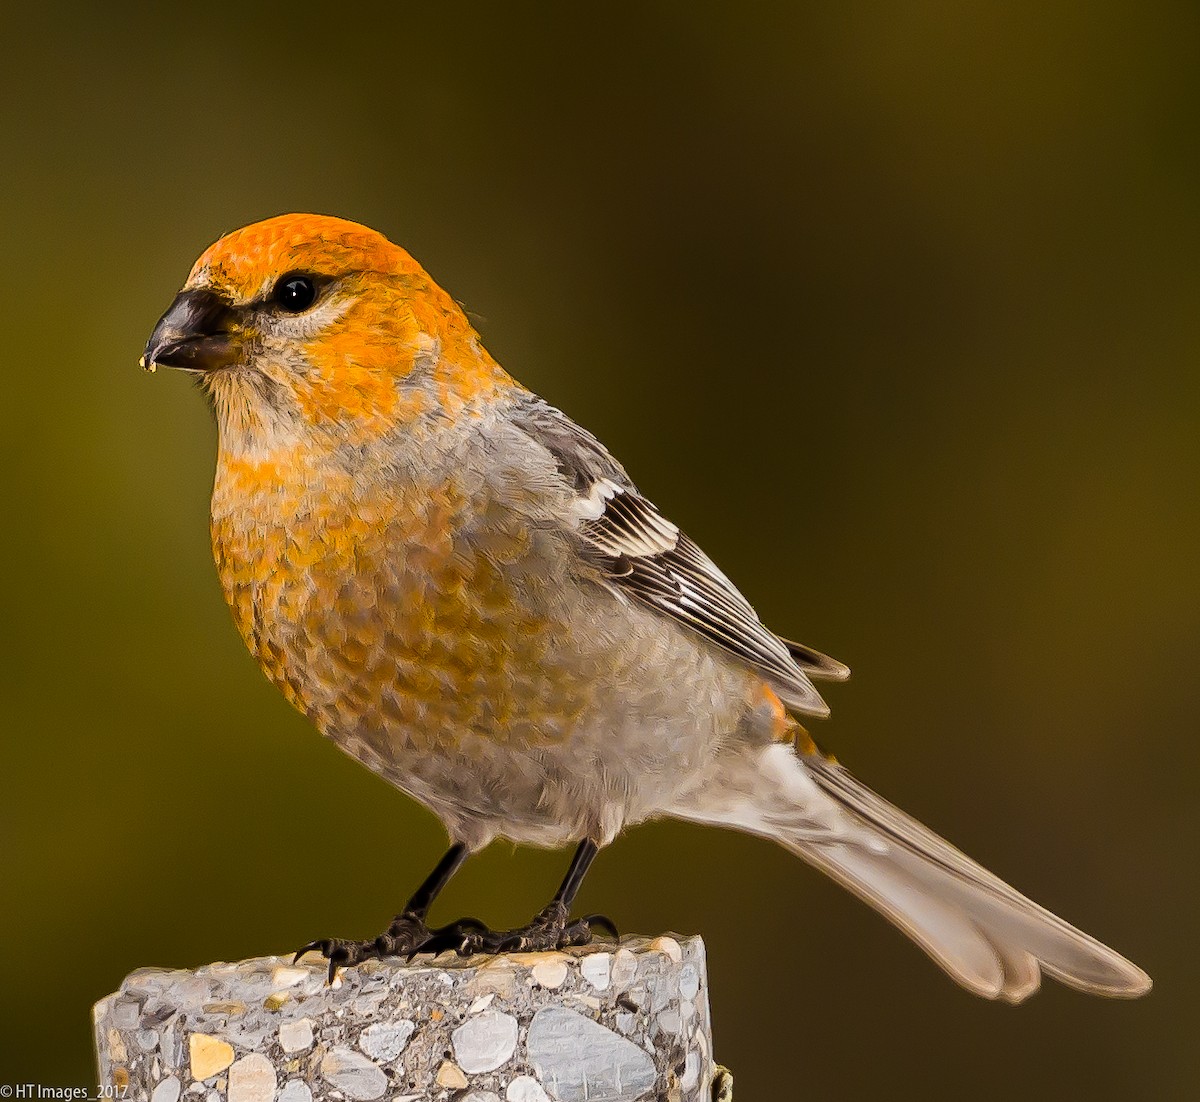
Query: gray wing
x: 645, y: 556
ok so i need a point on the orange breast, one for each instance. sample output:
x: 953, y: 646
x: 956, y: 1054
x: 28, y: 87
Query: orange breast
x: 409, y: 615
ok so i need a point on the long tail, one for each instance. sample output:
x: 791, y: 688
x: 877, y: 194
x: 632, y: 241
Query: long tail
x: 986, y: 935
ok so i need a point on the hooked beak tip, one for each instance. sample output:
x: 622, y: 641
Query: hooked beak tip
x: 194, y: 334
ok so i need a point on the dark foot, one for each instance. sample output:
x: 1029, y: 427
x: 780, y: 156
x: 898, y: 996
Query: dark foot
x: 405, y: 937
x: 551, y: 928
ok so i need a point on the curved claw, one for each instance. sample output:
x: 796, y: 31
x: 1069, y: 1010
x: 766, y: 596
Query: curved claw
x: 300, y: 952
x: 602, y: 923
x: 340, y: 953
x: 321, y: 945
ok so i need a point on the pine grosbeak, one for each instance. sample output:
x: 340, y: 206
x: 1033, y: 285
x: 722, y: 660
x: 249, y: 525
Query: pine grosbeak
x: 465, y: 591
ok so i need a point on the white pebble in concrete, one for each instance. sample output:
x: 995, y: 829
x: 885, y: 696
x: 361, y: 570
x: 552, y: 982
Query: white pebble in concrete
x: 486, y: 1041
x: 295, y: 1090
x: 251, y: 1079
x: 296, y: 1036
x: 551, y: 974
x: 689, y: 981
x: 668, y: 946
x: 289, y: 977
x: 525, y: 1089
x: 597, y: 969
x: 384, y: 1041
x: 581, y: 1061
x: 353, y: 1074
x: 166, y: 1091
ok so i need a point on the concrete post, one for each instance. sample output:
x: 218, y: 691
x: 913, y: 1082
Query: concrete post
x: 603, y: 1023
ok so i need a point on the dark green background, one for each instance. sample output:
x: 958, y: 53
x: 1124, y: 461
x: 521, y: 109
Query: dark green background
x: 892, y: 306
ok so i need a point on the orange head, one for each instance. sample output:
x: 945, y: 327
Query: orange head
x: 306, y: 322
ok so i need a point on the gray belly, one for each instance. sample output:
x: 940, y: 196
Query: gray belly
x: 608, y: 731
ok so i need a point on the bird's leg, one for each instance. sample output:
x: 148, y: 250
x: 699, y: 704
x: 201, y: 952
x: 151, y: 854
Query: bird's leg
x: 407, y: 934
x: 550, y: 928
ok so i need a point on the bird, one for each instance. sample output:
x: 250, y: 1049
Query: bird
x: 463, y: 589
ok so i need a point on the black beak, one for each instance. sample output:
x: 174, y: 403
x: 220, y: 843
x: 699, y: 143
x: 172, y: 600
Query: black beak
x: 195, y: 334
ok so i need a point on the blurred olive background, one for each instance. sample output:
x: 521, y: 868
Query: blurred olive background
x: 892, y: 306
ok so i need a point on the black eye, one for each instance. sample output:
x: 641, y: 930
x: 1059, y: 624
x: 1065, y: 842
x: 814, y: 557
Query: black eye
x: 295, y: 293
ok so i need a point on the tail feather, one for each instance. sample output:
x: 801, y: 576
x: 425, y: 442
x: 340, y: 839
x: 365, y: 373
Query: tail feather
x: 984, y: 933
x: 940, y: 928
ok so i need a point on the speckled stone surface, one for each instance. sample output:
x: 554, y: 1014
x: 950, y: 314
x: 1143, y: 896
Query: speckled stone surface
x: 604, y: 1023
